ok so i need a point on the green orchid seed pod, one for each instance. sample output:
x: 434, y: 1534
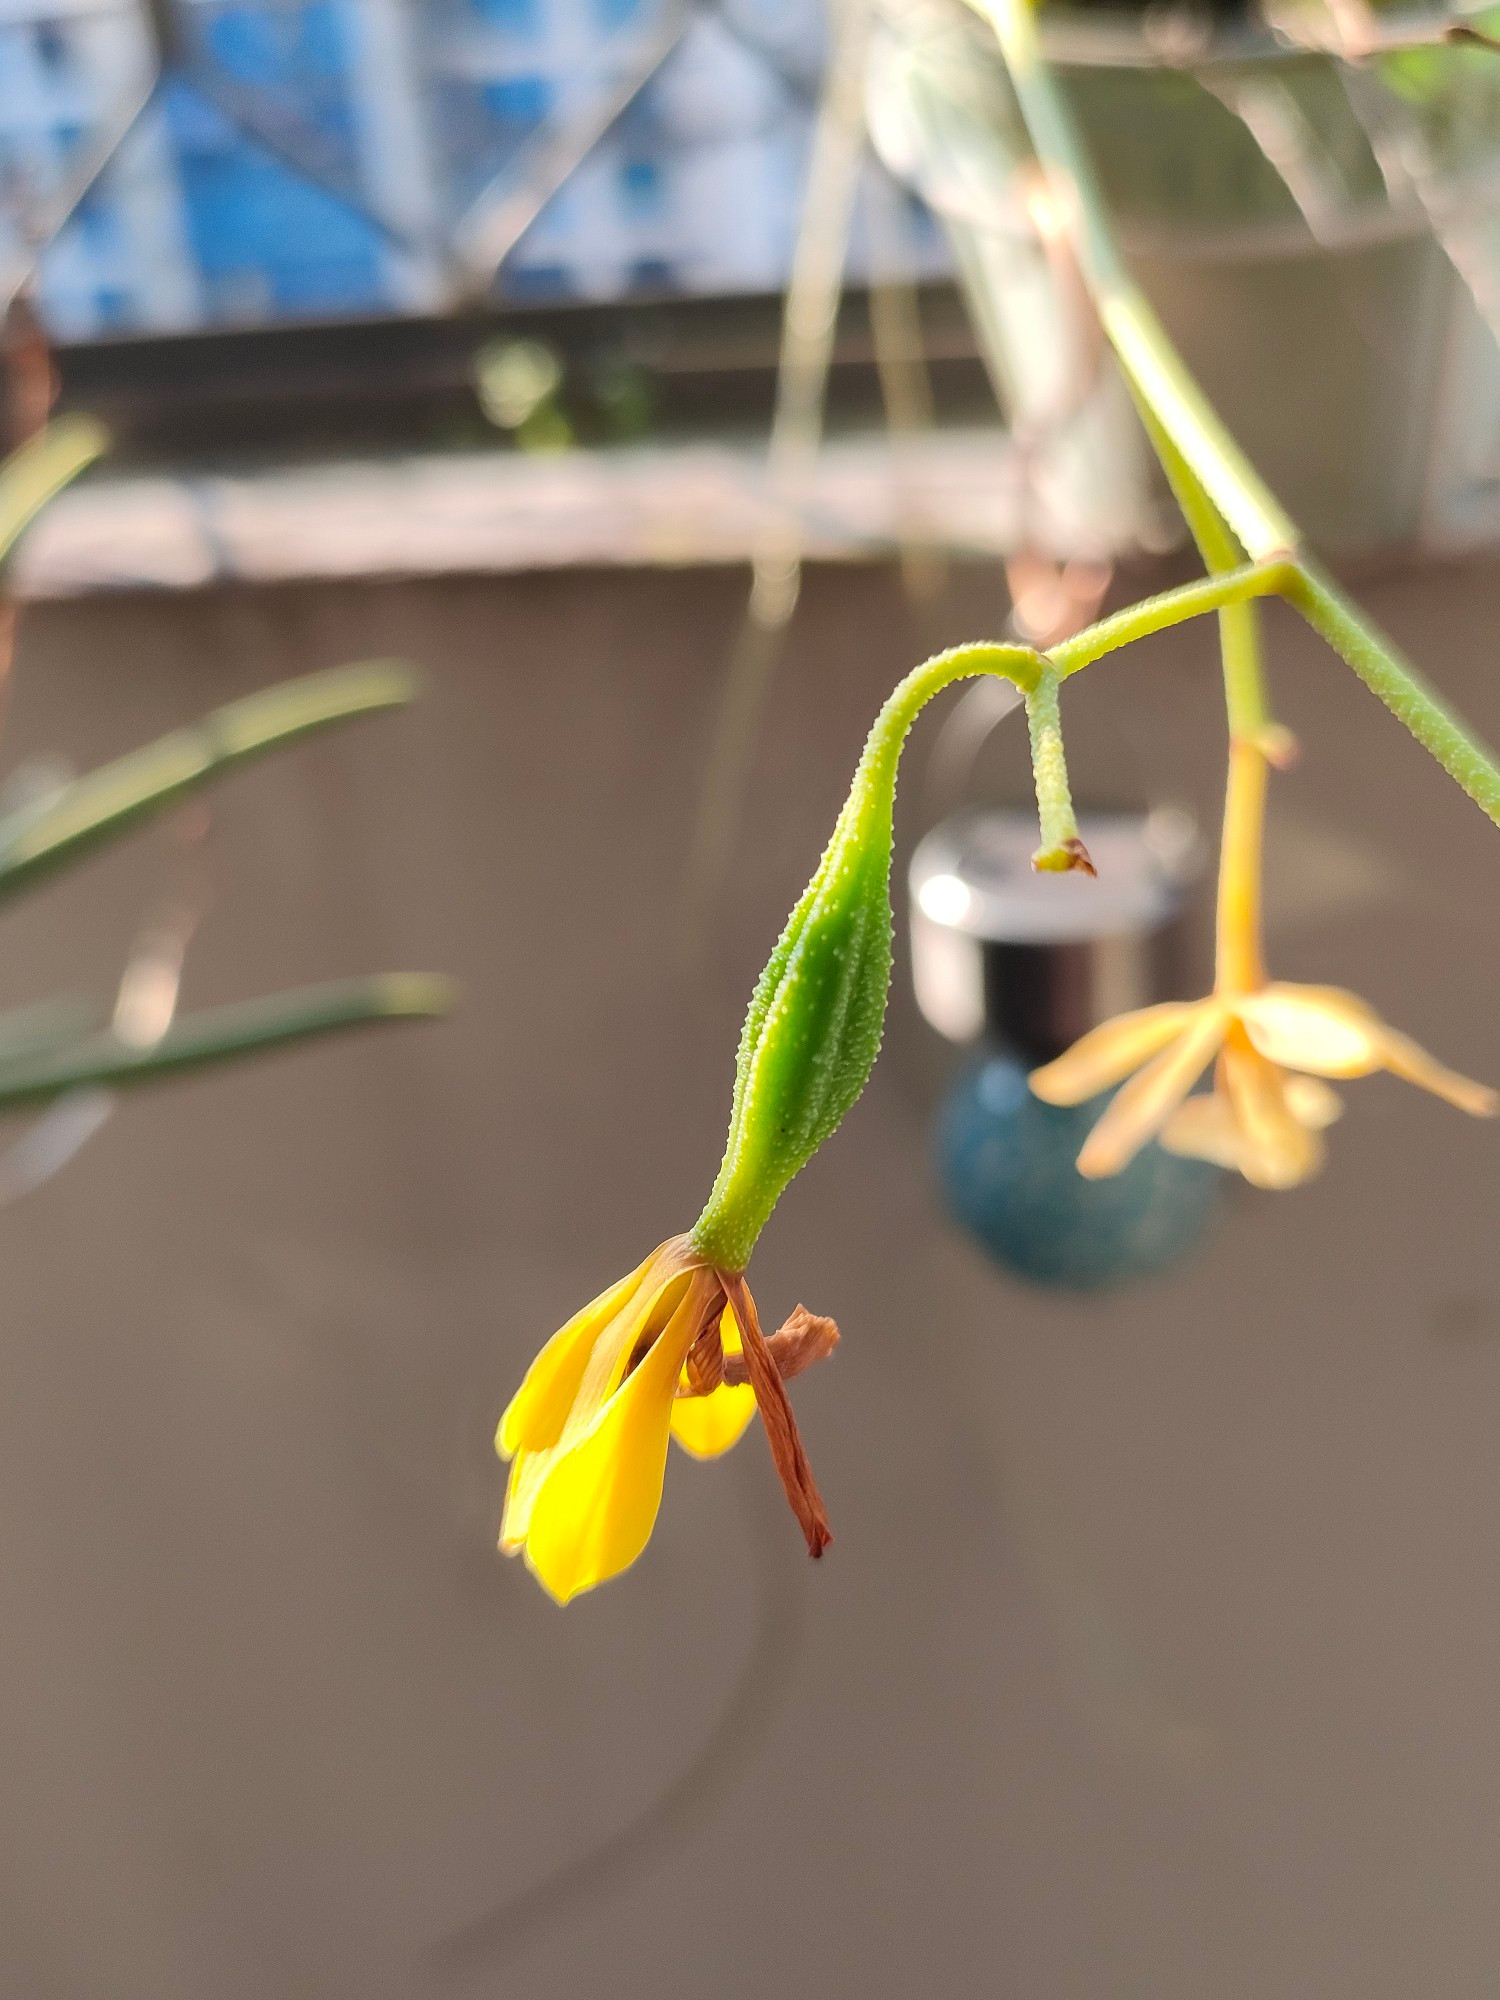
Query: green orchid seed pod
x: 813, y: 1030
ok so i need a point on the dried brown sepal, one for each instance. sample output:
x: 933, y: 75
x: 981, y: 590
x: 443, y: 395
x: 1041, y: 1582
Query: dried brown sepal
x: 799, y: 1342
x: 771, y: 1399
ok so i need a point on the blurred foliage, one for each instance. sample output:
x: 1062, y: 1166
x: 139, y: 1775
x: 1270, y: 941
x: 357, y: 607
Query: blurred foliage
x: 50, y: 1050
x: 526, y: 390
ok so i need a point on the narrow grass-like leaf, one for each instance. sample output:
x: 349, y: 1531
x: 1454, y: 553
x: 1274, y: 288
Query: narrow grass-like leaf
x: 41, y: 468
x: 226, y: 1034
x: 106, y: 802
x: 27, y: 1033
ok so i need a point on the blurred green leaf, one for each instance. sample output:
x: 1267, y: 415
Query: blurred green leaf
x: 225, y: 1034
x: 28, y: 1032
x: 106, y: 802
x: 42, y: 467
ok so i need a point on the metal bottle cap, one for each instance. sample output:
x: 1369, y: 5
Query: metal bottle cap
x: 1038, y: 960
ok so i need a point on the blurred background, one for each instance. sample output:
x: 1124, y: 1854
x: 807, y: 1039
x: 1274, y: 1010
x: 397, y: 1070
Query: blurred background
x: 1158, y: 1648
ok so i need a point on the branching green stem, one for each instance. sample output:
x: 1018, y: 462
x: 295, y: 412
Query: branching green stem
x: 1222, y: 496
x: 1146, y: 354
x: 1172, y: 607
x: 1409, y: 697
x: 1038, y: 679
x: 1239, y: 622
x: 1298, y: 582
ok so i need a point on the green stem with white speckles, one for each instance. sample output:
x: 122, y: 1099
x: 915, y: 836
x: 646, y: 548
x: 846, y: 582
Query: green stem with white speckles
x: 1061, y: 848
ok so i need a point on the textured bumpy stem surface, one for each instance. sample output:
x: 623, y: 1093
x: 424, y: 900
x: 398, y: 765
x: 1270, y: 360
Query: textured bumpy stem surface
x: 1061, y: 848
x: 813, y: 1029
x: 1398, y: 684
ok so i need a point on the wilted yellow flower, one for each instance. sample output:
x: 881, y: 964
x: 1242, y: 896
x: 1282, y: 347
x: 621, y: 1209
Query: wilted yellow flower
x: 675, y: 1349
x: 1269, y: 1106
x: 1272, y: 1045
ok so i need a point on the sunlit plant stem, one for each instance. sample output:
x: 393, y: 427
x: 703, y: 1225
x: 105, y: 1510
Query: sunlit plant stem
x: 1221, y: 493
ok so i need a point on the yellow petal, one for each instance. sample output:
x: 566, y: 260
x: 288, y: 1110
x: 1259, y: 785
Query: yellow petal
x: 527, y: 1471
x: 1332, y: 1033
x: 1311, y: 1102
x: 1204, y: 1128
x: 641, y: 1321
x: 709, y: 1425
x: 1317, y: 1028
x: 1402, y: 1056
x: 1209, y: 1127
x: 1276, y: 1149
x: 591, y: 1356
x: 1107, y: 1053
x: 1144, y: 1104
x: 535, y: 1416
x: 598, y: 1502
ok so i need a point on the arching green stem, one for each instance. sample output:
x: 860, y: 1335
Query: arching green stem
x: 1155, y: 369
x: 1222, y: 495
x: 1172, y: 607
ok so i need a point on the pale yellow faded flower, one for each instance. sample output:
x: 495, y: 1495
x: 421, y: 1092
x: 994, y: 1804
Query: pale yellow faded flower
x: 1271, y: 1047
x: 1271, y: 1044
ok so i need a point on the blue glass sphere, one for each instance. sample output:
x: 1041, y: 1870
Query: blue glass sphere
x: 1007, y: 1173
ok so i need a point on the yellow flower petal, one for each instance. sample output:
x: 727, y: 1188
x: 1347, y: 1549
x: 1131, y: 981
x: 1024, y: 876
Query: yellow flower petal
x: 535, y: 1416
x: 1204, y: 1128
x: 1402, y: 1056
x: 1311, y: 1102
x: 527, y: 1471
x: 1317, y: 1028
x: 1109, y: 1052
x: 1276, y: 1149
x: 1215, y: 1127
x: 1145, y: 1103
x: 587, y: 1371
x: 642, y: 1321
x: 598, y: 1502
x: 706, y: 1426
x: 1332, y: 1033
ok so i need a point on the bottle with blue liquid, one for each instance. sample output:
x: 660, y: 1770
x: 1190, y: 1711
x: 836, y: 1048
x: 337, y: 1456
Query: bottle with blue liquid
x: 1019, y: 966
